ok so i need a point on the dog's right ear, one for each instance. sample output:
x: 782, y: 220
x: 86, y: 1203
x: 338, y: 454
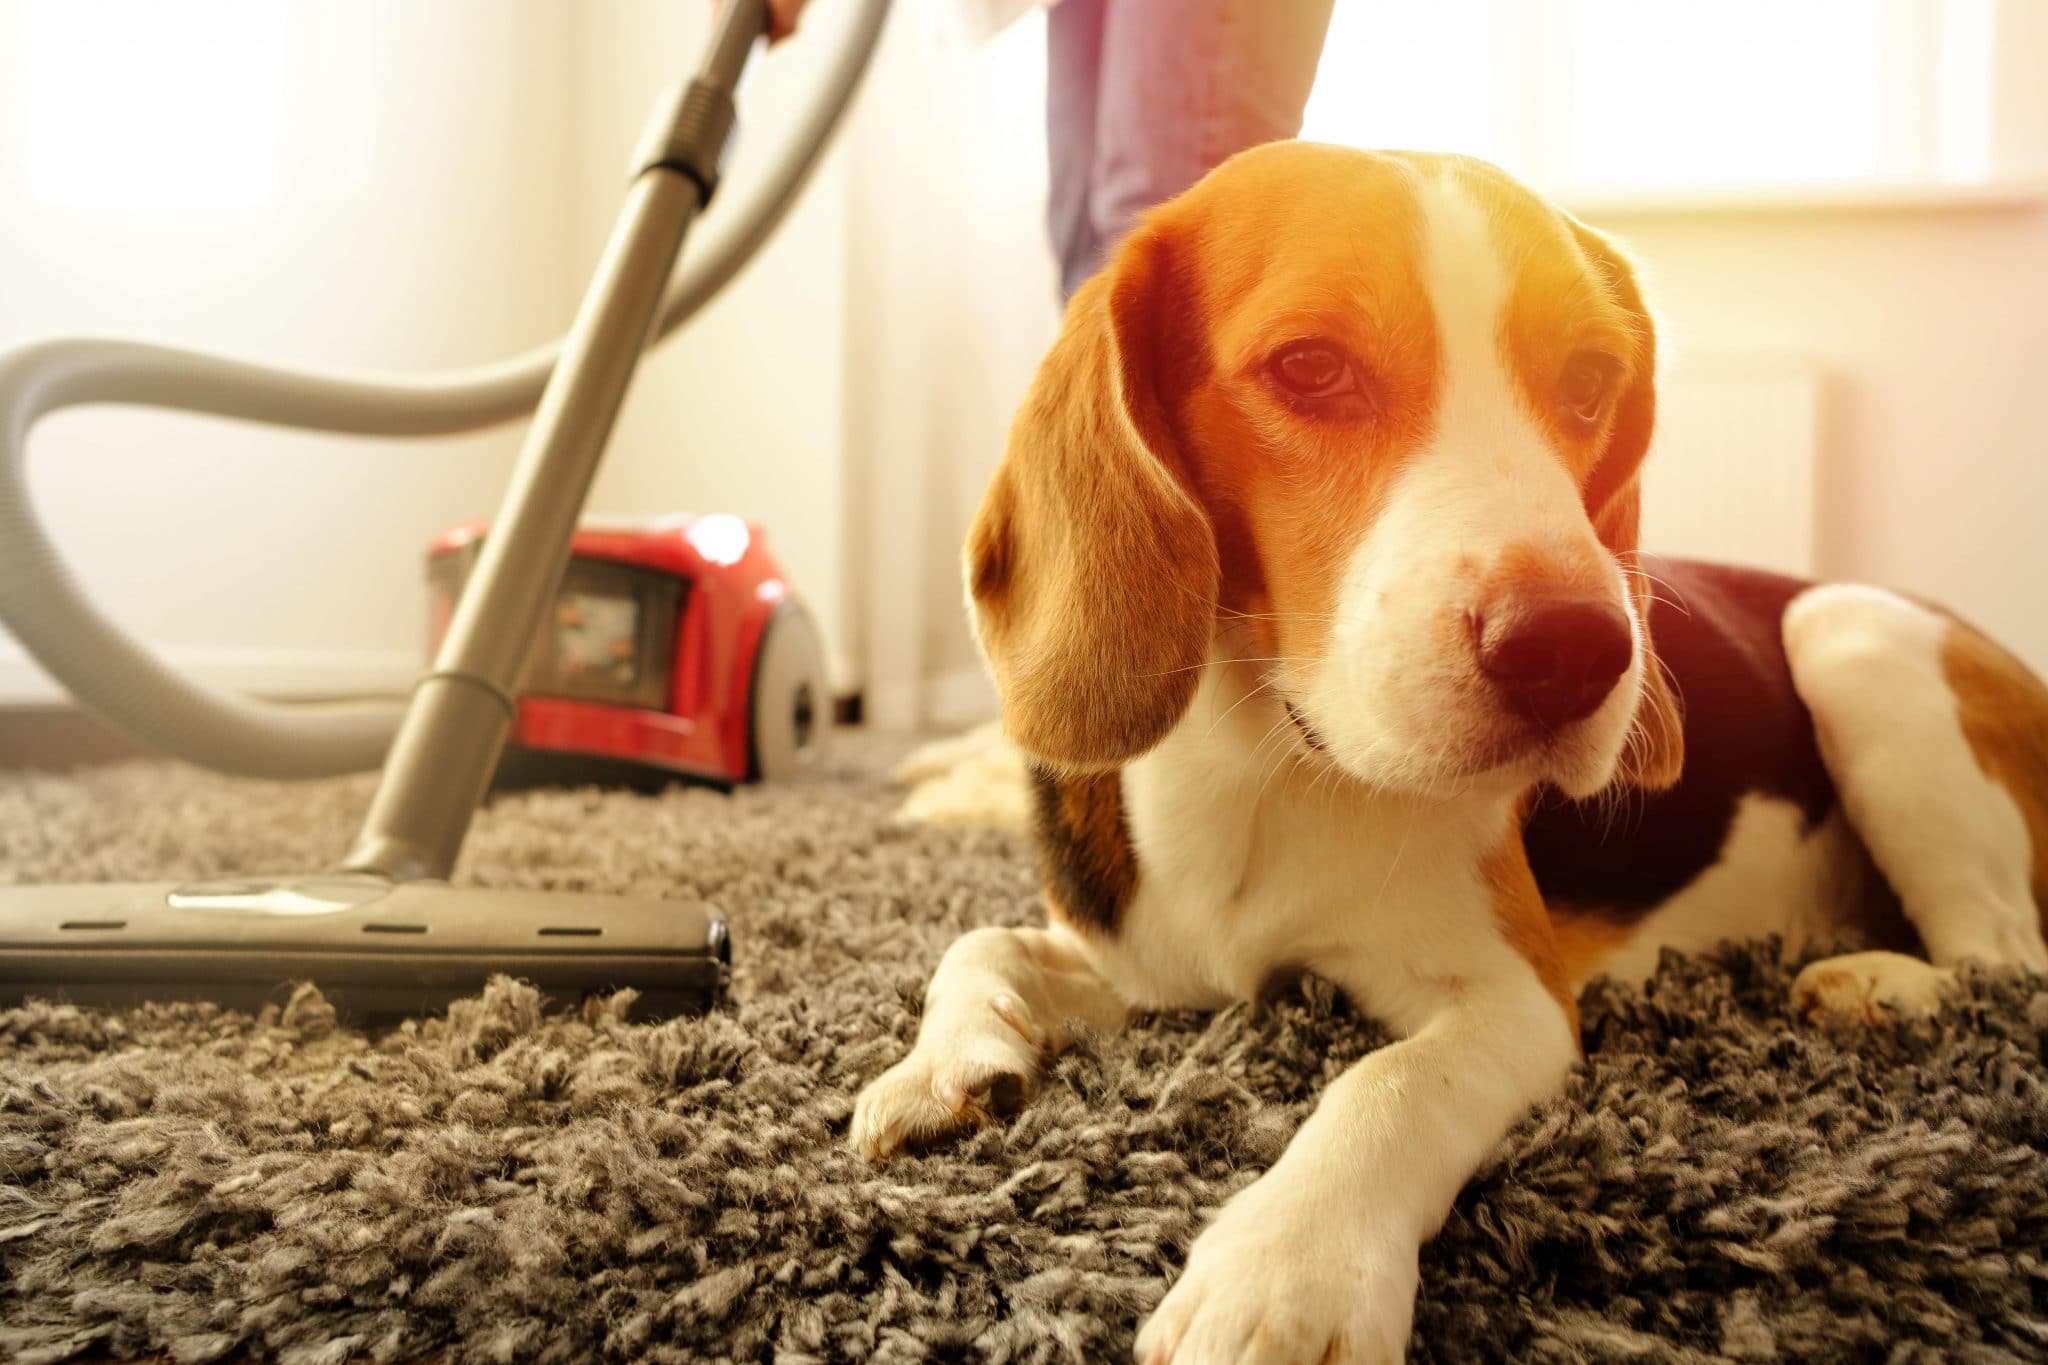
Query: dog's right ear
x: 1091, y: 566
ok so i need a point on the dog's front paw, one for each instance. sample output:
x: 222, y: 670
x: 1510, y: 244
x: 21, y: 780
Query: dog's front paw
x: 1265, y: 1285
x: 961, y: 1075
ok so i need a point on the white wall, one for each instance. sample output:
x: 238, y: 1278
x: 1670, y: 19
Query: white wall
x: 1932, y: 331
x: 415, y: 223
x: 1931, y: 327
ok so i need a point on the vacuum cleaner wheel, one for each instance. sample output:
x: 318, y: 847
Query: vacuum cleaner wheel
x: 790, y: 712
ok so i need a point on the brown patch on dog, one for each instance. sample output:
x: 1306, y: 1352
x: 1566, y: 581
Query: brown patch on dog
x: 1586, y: 939
x: 2004, y: 712
x: 1525, y: 921
x: 1574, y: 293
x: 1084, y: 847
x: 1291, y: 490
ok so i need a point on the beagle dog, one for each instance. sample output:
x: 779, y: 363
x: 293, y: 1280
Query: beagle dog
x: 1309, y: 579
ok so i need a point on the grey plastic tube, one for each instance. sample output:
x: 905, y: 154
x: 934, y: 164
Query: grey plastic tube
x: 122, y: 680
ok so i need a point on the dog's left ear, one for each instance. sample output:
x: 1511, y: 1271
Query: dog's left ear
x: 1091, y: 566
x: 1656, y: 754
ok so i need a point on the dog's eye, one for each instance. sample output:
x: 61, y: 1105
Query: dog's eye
x: 1313, y: 369
x: 1586, y: 385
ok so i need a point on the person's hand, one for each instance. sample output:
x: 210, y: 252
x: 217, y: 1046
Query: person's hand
x: 781, y: 18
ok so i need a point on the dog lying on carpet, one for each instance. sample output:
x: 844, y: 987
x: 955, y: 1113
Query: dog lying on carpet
x: 1311, y: 586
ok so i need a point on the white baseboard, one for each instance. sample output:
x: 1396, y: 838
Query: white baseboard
x: 260, y: 672
x: 841, y: 671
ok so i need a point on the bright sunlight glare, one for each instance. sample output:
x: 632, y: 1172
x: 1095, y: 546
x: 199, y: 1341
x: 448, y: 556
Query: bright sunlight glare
x: 1739, y: 90
x: 1417, y: 77
x: 1667, y: 94
x: 152, y: 106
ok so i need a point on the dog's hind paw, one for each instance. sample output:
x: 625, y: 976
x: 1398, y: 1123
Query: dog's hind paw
x: 1870, y: 988
x: 976, y: 781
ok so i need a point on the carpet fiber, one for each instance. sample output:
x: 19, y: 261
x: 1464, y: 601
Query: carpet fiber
x: 521, y: 1182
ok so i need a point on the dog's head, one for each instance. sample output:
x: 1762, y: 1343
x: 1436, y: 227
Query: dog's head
x: 1374, y: 421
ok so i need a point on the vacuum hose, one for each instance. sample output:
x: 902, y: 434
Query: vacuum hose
x: 125, y: 683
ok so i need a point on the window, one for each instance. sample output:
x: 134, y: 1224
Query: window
x: 1603, y: 96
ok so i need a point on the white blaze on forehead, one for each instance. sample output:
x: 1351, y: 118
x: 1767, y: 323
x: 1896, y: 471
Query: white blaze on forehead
x: 1468, y: 286
x: 1487, y: 457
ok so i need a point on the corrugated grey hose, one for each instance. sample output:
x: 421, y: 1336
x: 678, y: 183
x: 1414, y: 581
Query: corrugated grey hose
x: 126, y: 684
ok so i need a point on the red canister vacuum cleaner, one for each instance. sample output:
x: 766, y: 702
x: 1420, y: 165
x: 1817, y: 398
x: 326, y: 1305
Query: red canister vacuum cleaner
x: 674, y: 649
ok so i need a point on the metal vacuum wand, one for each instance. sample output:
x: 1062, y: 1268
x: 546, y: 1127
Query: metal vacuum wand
x: 448, y: 746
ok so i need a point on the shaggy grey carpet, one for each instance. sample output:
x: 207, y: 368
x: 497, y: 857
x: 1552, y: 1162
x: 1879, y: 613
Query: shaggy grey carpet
x: 516, y: 1183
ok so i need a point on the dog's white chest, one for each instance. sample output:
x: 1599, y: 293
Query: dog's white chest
x: 1254, y: 862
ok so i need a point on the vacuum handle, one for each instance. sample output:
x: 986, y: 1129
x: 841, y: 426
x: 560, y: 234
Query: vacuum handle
x: 733, y: 30
x: 688, y: 132
x: 448, y: 744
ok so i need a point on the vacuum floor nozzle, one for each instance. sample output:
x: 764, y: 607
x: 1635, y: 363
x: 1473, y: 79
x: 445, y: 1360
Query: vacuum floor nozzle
x: 376, y: 948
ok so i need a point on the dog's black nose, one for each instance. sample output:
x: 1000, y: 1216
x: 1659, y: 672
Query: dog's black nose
x: 1556, y: 661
